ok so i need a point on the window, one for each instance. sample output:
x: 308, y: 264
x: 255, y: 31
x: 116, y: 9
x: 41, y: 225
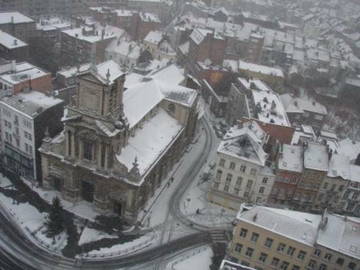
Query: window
x: 242, y: 168
x: 249, y: 252
x: 171, y: 107
x: 216, y: 185
x: 301, y: 255
x: 312, y: 264
x: 281, y: 247
x: 290, y: 251
x: 268, y: 242
x: 226, y: 188
x: 295, y: 267
x: 228, y: 178
x: 328, y: 256
x: 322, y: 267
x: 218, y: 175
x: 284, y: 265
x: 232, y: 166
x: 261, y: 190
x: 27, y: 135
x: 341, y: 188
x: 27, y: 123
x: 249, y: 184
x: 253, y: 172
x: 238, y: 248
x: 239, y: 181
x: 243, y: 233
x: 265, y: 180
x: 263, y: 257
x: 326, y: 185
x: 254, y: 237
x: 88, y: 148
x: 275, y: 261
x: 352, y: 265
x: 317, y: 252
x: 222, y: 162
x: 340, y: 261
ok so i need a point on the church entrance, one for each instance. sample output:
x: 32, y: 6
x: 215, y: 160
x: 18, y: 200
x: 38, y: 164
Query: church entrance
x: 117, y: 208
x: 87, y: 191
x: 58, y: 184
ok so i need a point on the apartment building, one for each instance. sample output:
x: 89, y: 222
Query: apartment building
x: 26, y: 118
x: 271, y: 238
x: 242, y: 173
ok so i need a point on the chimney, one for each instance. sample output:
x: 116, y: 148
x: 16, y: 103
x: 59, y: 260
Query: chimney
x: 357, y: 160
x: 15, y: 41
x: 13, y: 66
x: 12, y: 19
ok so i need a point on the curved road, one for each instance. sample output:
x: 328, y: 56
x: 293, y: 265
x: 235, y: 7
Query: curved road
x: 17, y: 252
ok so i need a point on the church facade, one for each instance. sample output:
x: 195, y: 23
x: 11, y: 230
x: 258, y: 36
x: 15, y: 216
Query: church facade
x: 118, y: 144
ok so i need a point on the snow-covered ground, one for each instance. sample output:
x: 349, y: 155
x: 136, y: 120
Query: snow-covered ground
x: 90, y: 235
x: 136, y: 245
x: 31, y: 221
x: 82, y: 209
x: 199, y: 258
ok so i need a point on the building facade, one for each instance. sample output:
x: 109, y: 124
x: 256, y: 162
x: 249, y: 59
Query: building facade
x: 130, y: 140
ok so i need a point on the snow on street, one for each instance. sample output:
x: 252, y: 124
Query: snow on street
x: 198, y: 258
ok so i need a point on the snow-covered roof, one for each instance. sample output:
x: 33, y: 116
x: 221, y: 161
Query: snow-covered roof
x: 124, y: 12
x: 242, y: 65
x: 128, y: 49
x: 140, y: 98
x: 14, y: 17
x: 302, y: 104
x: 291, y: 158
x: 32, y: 103
x: 53, y: 23
x: 154, y: 37
x: 341, y: 234
x: 316, y: 157
x: 245, y: 142
x: 23, y: 72
x: 253, y: 84
x: 199, y: 34
x: 170, y: 74
x: 71, y: 71
x: 298, y: 226
x: 10, y: 42
x: 110, y: 67
x: 149, y: 142
x: 149, y: 17
x: 269, y: 108
x: 88, y: 34
x: 349, y: 148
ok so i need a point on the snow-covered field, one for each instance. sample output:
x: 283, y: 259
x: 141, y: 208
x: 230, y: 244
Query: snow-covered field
x: 90, y: 235
x: 31, y: 221
x: 199, y: 258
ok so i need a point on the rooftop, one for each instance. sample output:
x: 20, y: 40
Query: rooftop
x: 302, y: 104
x: 10, y: 42
x: 298, y: 226
x: 22, y: 71
x: 291, y: 158
x: 316, y: 157
x: 14, y: 17
x: 245, y: 142
x: 32, y: 103
x: 242, y: 65
x: 95, y: 33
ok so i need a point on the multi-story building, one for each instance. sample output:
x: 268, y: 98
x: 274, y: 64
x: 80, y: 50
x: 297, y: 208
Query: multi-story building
x: 289, y: 170
x: 159, y: 46
x: 142, y: 23
x: 316, y: 165
x: 206, y: 44
x: 242, y: 173
x: 12, y: 48
x: 17, y: 77
x: 117, y: 146
x: 270, y: 238
x: 304, y: 111
x: 79, y: 45
x: 18, y: 25
x: 25, y: 119
x: 274, y: 77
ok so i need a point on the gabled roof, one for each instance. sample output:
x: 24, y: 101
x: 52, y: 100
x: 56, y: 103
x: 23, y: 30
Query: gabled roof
x: 245, y: 143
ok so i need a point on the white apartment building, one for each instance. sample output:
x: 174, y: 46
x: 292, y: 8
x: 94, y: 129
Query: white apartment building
x: 241, y: 174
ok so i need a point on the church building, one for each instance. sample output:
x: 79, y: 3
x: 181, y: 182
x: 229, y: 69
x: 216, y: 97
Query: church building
x: 118, y: 143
